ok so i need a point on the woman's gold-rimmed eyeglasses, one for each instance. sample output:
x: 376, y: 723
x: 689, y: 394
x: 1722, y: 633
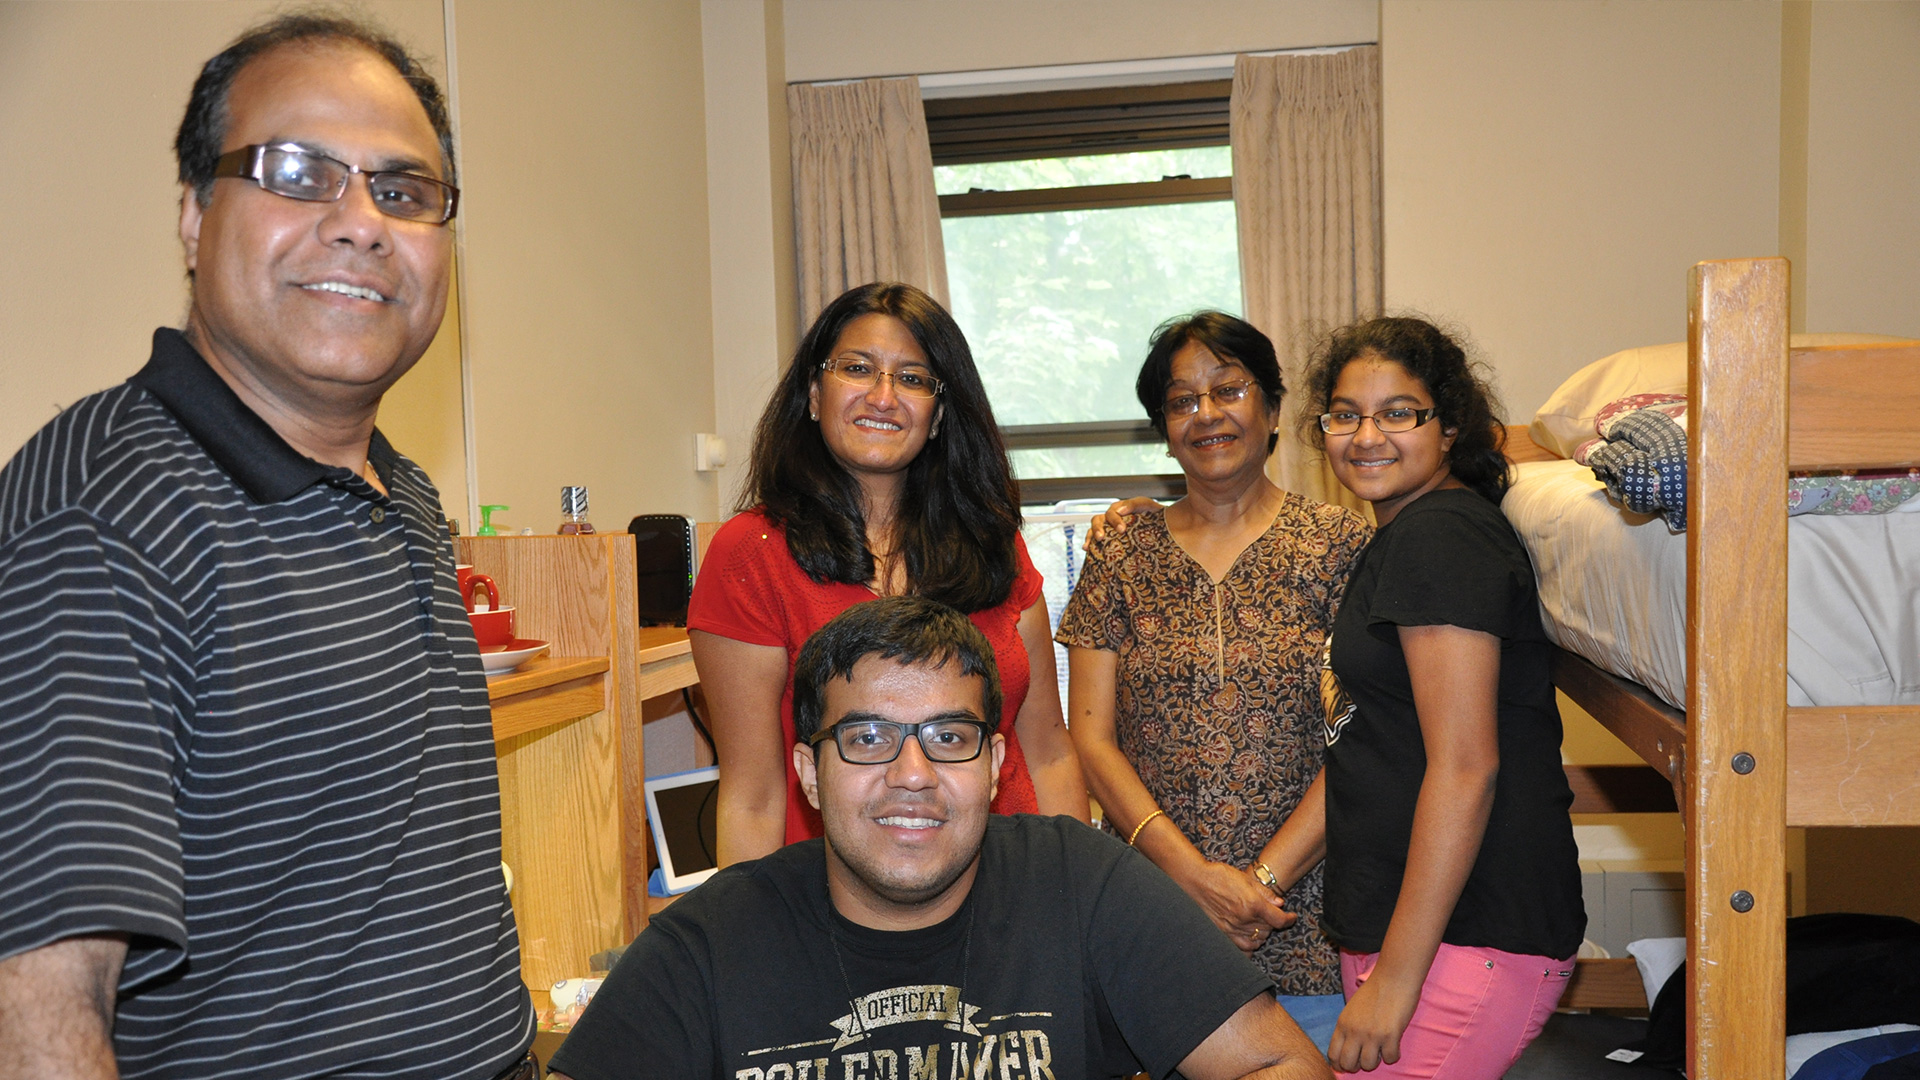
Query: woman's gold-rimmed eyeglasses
x: 865, y: 374
x: 1223, y: 395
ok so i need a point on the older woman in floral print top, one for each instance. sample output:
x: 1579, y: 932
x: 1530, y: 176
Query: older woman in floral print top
x: 1194, y: 644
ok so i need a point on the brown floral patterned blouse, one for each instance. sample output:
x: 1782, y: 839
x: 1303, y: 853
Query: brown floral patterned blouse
x: 1219, y: 689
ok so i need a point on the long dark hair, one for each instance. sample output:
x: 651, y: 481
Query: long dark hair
x: 1460, y: 387
x: 959, y: 507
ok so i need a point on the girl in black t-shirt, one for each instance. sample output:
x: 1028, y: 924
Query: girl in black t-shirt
x: 1452, y: 882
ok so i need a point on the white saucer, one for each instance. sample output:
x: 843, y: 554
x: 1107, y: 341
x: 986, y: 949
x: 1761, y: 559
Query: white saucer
x: 500, y: 659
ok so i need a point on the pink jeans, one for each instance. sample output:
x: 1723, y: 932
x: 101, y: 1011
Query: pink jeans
x: 1478, y: 1009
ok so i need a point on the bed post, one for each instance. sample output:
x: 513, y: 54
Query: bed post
x: 1736, y: 795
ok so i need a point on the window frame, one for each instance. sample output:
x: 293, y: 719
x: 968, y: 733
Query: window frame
x: 1073, y: 123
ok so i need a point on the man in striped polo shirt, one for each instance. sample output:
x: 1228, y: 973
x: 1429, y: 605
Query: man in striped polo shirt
x: 249, y: 816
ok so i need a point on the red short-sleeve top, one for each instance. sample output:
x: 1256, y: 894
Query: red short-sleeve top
x: 751, y: 590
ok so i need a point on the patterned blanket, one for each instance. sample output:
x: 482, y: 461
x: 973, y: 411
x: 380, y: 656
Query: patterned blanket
x: 1641, y: 455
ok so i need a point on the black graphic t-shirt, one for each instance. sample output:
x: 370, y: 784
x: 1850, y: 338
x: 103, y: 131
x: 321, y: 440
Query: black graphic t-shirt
x: 1073, y: 957
x: 1448, y: 558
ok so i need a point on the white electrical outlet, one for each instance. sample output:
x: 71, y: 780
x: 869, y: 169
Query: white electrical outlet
x: 709, y: 452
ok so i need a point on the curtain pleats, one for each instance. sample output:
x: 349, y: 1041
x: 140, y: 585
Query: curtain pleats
x: 1306, y: 190
x: 864, y: 207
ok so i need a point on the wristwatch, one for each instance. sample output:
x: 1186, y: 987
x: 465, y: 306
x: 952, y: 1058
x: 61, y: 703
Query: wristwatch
x: 1264, y: 875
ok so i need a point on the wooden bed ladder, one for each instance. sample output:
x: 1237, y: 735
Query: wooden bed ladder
x: 1735, y: 795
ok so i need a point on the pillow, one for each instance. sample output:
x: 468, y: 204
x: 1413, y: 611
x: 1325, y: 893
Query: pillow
x: 1657, y: 959
x: 1567, y: 419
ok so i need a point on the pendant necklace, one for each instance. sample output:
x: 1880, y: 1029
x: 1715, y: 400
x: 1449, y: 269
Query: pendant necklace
x: 853, y: 1006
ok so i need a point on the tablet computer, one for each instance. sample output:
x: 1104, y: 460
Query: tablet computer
x: 680, y: 811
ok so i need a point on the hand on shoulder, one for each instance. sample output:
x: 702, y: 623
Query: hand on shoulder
x: 1114, y: 520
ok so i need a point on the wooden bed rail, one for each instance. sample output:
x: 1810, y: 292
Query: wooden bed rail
x: 1829, y: 425
x: 1736, y: 767
x: 1853, y: 766
x: 1650, y: 727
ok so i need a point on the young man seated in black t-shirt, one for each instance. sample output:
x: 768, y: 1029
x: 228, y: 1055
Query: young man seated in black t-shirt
x: 922, y: 938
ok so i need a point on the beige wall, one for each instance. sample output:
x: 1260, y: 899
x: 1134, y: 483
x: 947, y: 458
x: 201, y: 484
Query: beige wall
x: 845, y: 39
x: 90, y: 97
x: 751, y: 219
x: 1862, y: 271
x: 1553, y: 169
x: 588, y: 304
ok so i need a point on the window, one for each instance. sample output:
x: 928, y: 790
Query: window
x: 1075, y: 222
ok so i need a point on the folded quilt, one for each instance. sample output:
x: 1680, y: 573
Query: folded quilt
x: 1641, y: 455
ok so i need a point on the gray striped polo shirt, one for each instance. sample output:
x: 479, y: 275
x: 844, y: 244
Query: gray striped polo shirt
x: 244, y: 722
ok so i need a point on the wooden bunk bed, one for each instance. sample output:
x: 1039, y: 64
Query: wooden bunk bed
x: 1743, y: 765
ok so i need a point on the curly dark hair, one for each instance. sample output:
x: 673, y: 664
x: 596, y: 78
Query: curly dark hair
x: 204, y: 127
x: 1461, y: 389
x: 959, y: 511
x: 1225, y: 337
x: 908, y: 630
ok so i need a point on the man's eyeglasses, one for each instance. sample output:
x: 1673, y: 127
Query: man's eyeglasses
x: 299, y: 173
x: 1390, y: 421
x: 865, y: 374
x: 877, y: 742
x: 1223, y: 395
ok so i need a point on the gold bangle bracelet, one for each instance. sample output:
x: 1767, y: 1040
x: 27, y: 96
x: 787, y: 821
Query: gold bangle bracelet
x: 1142, y: 825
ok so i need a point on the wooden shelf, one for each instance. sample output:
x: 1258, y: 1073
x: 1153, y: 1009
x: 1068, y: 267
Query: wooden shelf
x: 666, y: 661
x: 544, y: 671
x: 663, y: 643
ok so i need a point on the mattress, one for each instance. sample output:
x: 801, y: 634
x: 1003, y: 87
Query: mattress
x: 1613, y: 588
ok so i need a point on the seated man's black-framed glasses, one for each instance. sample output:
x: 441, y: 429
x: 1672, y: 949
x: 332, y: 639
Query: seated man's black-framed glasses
x: 877, y: 742
x: 298, y: 173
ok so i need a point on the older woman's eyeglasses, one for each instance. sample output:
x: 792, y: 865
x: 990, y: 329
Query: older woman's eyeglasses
x: 298, y: 173
x: 1389, y: 421
x: 865, y: 374
x: 1223, y: 395
x: 877, y: 742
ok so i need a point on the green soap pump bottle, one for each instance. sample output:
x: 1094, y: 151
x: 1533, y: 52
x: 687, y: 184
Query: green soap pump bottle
x: 486, y: 520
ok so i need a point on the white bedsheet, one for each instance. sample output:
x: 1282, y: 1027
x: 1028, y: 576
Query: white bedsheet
x: 1613, y: 589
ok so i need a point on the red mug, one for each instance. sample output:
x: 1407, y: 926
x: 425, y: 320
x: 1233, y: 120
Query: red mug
x: 492, y: 628
x: 468, y: 579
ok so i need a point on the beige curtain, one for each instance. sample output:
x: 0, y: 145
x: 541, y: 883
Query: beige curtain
x: 864, y: 207
x: 1306, y: 188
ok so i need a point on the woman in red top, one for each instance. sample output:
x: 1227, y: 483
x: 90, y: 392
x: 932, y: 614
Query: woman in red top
x: 877, y: 470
